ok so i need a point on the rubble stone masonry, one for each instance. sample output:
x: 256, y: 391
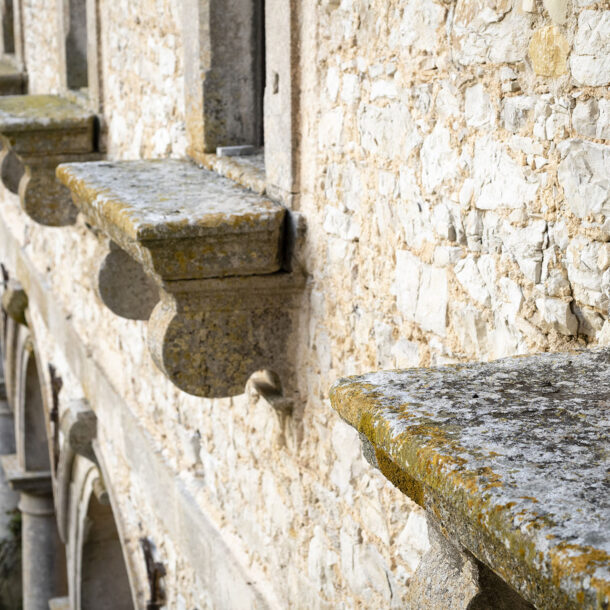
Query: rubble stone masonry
x: 454, y: 169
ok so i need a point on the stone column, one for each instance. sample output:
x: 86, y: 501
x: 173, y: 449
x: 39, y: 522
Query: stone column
x: 42, y: 564
x: 40, y: 547
x: 10, y: 581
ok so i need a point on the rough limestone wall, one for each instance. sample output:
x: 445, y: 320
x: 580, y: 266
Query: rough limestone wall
x: 455, y: 204
x: 457, y: 207
x: 302, y: 509
x: 143, y: 78
x: 40, y: 28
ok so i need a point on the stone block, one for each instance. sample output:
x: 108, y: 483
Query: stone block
x: 507, y: 456
x: 590, y: 58
x: 42, y: 131
x: 548, y: 51
x: 215, y: 254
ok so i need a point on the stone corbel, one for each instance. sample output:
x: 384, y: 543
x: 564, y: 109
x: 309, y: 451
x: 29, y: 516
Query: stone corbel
x: 38, y: 132
x: 203, y: 260
x: 15, y: 301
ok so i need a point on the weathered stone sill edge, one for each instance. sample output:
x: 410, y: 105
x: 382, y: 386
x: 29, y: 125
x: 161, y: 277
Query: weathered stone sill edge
x: 465, y: 515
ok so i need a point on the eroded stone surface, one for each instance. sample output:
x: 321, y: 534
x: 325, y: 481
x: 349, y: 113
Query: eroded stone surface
x: 517, y: 448
x: 44, y: 112
x: 179, y: 221
x: 43, y: 131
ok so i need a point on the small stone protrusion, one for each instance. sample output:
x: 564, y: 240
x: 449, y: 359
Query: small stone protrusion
x: 15, y: 302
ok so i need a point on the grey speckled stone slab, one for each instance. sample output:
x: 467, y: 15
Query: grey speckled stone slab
x: 512, y: 456
x: 178, y: 220
x: 39, y: 112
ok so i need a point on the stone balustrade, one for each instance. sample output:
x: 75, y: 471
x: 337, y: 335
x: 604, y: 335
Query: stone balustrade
x: 510, y: 457
x: 202, y: 259
x: 38, y: 132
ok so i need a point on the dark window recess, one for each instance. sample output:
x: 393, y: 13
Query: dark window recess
x: 258, y: 68
x: 76, y: 46
x: 8, y: 32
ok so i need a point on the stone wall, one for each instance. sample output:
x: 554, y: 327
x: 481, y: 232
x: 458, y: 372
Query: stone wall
x: 454, y: 186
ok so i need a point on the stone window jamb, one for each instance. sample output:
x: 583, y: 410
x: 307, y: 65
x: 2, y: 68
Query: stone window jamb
x: 81, y: 45
x: 216, y: 60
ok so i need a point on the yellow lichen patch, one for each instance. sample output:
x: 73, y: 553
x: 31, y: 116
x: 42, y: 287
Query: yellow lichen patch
x: 409, y: 486
x: 548, y: 51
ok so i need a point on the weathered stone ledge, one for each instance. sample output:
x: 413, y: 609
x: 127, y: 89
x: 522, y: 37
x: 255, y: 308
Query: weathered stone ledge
x: 210, y: 552
x: 510, y: 456
x: 202, y: 259
x: 248, y: 171
x: 38, y: 132
x: 13, y: 81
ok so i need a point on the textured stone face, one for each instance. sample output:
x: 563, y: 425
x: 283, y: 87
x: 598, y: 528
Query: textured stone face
x: 511, y: 451
x: 489, y: 243
x: 548, y: 52
x: 179, y: 221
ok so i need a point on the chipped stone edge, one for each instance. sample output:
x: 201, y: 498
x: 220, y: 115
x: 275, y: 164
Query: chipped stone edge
x: 456, y: 502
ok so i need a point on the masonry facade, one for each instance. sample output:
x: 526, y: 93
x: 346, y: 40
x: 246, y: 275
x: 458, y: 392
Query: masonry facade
x: 428, y: 185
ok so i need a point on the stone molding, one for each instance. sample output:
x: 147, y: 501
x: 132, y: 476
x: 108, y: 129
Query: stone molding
x: 509, y: 456
x: 29, y: 482
x: 38, y: 132
x: 214, y: 255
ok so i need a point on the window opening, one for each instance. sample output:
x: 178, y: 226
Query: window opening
x: 76, y: 46
x: 8, y: 27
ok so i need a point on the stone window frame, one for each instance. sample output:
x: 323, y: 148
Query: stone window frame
x: 11, y: 38
x: 210, y: 48
x: 90, y: 96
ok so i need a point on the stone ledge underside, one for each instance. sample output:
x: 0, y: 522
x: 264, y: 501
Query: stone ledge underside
x: 512, y: 457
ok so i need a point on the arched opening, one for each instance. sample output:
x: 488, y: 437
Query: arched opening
x: 36, y: 450
x: 104, y: 582
x: 76, y: 45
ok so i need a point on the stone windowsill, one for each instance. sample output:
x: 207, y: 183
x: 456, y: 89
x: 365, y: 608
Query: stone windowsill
x: 510, y: 456
x: 247, y: 171
x: 178, y: 221
x: 39, y: 132
x: 201, y: 259
x: 12, y: 79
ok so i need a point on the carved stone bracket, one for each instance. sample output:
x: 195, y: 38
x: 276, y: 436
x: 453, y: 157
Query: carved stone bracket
x: 207, y: 255
x: 38, y: 132
x: 15, y: 301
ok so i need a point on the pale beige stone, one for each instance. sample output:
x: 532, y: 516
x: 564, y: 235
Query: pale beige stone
x: 548, y: 52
